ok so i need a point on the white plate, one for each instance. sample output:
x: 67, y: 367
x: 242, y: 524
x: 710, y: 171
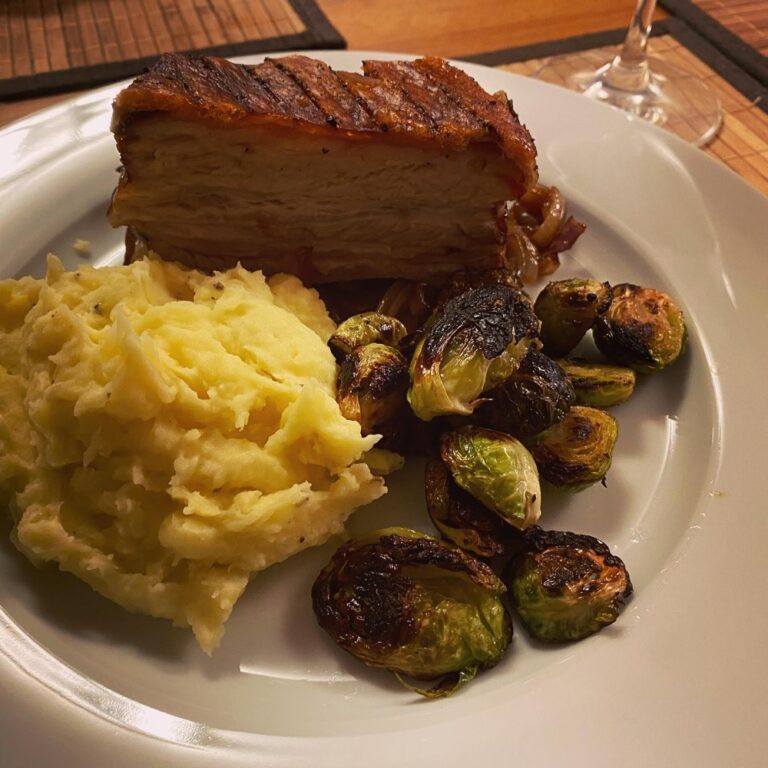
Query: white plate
x: 680, y: 680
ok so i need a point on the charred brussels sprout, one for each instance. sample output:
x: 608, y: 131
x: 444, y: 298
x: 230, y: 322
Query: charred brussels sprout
x: 460, y: 282
x: 497, y: 470
x: 567, y: 310
x: 475, y: 343
x: 599, y: 384
x: 405, y: 601
x: 642, y: 328
x: 367, y: 328
x: 565, y: 586
x: 576, y: 452
x: 371, y: 389
x: 461, y: 518
x: 536, y: 396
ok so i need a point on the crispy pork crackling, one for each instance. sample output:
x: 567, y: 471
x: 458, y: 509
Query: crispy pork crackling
x: 288, y: 166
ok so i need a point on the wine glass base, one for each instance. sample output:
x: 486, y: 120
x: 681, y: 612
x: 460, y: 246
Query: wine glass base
x: 674, y: 99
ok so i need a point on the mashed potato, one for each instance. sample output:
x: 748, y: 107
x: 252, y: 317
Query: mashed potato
x: 165, y: 434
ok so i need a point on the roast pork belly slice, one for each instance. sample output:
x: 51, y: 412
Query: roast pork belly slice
x: 289, y: 166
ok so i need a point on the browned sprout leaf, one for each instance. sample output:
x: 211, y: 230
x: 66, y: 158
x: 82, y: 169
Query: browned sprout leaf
x: 405, y: 601
x: 497, y: 469
x: 567, y: 310
x: 536, y: 396
x: 601, y: 385
x: 475, y: 343
x: 460, y: 282
x: 566, y: 586
x: 461, y: 518
x: 366, y: 328
x: 371, y: 390
x: 576, y: 452
x: 643, y: 328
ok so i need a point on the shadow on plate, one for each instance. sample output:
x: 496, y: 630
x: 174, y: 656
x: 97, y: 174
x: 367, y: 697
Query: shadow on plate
x: 72, y: 607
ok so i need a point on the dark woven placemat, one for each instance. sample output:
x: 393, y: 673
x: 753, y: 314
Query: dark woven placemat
x: 742, y: 143
x: 51, y: 45
x: 747, y: 19
x: 738, y: 28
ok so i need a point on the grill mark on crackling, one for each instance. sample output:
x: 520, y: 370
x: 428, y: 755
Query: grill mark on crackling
x: 321, y: 85
x: 389, y: 105
x: 236, y: 83
x: 292, y: 100
x: 495, y: 114
x: 451, y: 96
x: 360, y: 101
x: 449, y: 119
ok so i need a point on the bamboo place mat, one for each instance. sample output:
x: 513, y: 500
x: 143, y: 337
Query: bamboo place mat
x: 742, y: 143
x: 52, y: 45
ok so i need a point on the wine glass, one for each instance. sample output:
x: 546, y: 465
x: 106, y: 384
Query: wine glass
x: 646, y: 87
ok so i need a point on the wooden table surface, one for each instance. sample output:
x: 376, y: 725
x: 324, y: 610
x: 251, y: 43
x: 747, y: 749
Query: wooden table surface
x: 442, y: 27
x: 462, y: 27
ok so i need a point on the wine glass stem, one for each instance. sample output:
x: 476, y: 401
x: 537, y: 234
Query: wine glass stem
x: 629, y: 69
